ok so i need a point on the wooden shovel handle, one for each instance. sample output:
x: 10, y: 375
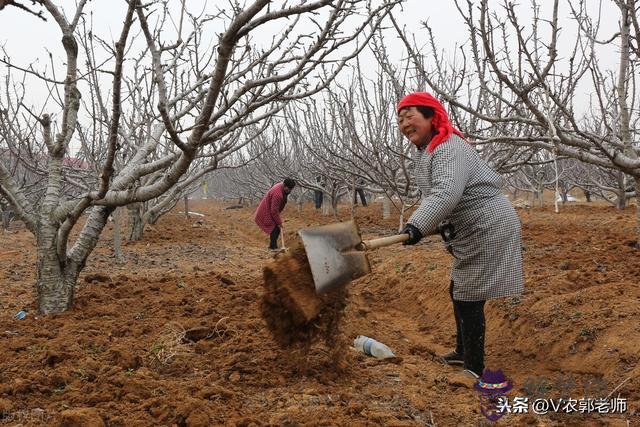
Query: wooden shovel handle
x: 368, y: 245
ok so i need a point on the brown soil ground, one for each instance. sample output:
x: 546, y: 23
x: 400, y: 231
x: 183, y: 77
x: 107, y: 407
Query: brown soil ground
x: 176, y: 334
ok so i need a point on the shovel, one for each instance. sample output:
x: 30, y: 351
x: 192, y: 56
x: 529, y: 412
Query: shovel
x: 337, y: 255
x: 281, y: 249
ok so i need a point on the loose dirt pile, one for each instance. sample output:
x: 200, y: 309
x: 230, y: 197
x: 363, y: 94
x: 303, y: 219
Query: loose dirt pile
x: 294, y: 313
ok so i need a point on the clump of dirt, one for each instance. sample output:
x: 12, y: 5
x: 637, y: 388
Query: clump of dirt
x: 294, y: 313
x: 288, y: 281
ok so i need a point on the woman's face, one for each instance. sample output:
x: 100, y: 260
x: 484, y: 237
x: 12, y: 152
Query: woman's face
x: 414, y: 126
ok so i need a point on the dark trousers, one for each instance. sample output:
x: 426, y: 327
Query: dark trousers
x: 273, y: 244
x: 363, y: 199
x: 470, y: 327
x: 317, y: 197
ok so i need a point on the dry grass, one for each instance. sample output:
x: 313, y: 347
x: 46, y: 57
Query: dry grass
x: 169, y: 345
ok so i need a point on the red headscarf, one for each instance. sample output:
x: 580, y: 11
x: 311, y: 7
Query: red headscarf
x: 440, y: 121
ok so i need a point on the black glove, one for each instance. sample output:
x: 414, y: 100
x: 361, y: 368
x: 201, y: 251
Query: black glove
x: 446, y: 230
x: 414, y: 234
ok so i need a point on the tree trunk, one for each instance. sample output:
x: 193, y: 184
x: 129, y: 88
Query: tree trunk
x: 402, y: 210
x: 136, y: 224
x: 6, y: 218
x: 55, y: 287
x: 334, y: 206
x: 57, y: 274
x: 186, y: 206
x: 540, y: 196
x: 353, y: 203
x: 587, y: 195
x: 386, y: 207
x: 621, y: 200
x: 117, y: 235
x: 621, y: 193
x: 638, y: 213
x: 299, y: 202
x: 205, y: 189
x: 557, y: 185
x: 325, y: 205
x: 354, y: 199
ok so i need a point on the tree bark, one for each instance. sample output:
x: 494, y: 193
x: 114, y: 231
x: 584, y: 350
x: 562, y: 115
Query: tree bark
x: 638, y: 213
x: 402, y: 211
x: 205, y: 189
x: 117, y: 235
x: 621, y: 199
x: 557, y: 183
x: 7, y: 214
x: 55, y: 286
x: 386, y: 207
x: 325, y: 205
x: 136, y: 224
x: 621, y: 193
x: 58, y: 272
x: 540, y: 196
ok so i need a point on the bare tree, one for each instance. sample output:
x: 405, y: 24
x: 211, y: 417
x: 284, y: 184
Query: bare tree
x: 612, y: 186
x: 242, y: 85
x: 21, y: 6
x: 523, y: 91
x: 348, y: 137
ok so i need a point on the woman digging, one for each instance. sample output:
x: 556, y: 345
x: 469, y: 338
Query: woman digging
x: 268, y: 213
x: 462, y: 199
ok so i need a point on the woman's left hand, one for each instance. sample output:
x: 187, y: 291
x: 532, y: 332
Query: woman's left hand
x: 414, y: 234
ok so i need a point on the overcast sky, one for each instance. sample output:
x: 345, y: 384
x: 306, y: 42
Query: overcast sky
x: 27, y: 40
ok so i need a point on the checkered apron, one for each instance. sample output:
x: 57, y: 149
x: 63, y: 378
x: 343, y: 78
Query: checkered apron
x: 457, y: 185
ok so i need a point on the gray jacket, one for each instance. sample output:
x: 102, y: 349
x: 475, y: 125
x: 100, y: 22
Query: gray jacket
x: 458, y: 185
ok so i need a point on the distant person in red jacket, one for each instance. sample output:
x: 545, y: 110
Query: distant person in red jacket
x: 268, y: 212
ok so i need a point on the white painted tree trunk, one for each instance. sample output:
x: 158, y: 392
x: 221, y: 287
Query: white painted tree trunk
x: 540, y: 195
x: 402, y: 210
x: 386, y: 207
x: 54, y: 285
x: 556, y: 197
x: 325, y: 205
x: 57, y: 274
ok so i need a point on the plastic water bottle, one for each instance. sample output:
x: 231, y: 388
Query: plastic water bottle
x: 371, y: 347
x: 20, y: 315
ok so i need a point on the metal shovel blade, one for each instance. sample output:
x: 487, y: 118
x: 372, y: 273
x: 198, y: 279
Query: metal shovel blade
x: 332, y: 255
